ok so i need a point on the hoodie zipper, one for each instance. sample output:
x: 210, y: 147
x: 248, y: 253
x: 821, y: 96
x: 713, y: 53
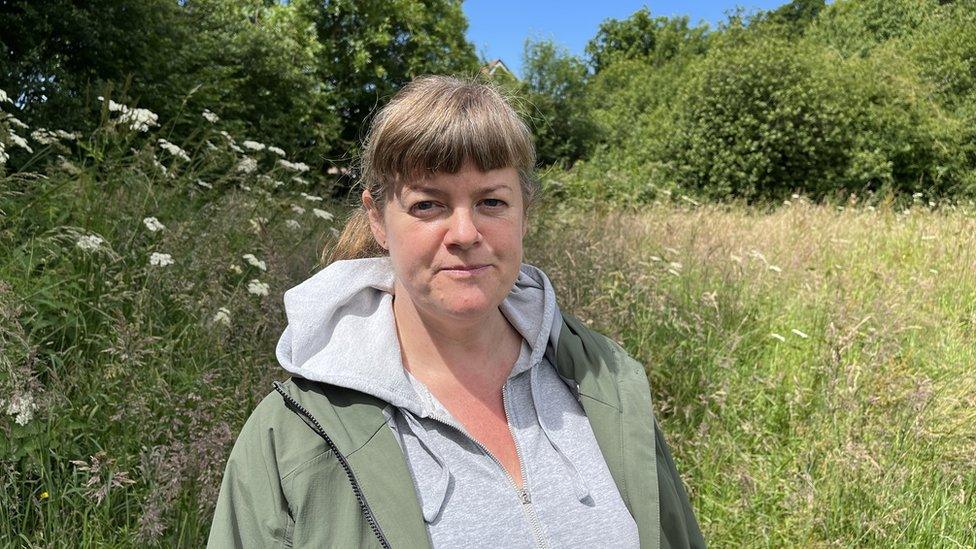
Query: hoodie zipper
x: 360, y: 497
x: 523, y: 495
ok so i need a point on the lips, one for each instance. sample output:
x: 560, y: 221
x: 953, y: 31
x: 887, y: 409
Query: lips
x: 464, y: 268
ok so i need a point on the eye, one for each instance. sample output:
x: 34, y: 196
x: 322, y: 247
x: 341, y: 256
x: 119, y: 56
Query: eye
x: 493, y: 203
x: 423, y: 207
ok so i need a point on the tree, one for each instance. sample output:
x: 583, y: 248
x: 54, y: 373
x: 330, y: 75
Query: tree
x: 556, y: 89
x: 641, y: 36
x: 370, y: 48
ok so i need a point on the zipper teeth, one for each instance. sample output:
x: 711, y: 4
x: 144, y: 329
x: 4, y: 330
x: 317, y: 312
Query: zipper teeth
x: 360, y: 497
x: 526, y: 499
x: 523, y: 493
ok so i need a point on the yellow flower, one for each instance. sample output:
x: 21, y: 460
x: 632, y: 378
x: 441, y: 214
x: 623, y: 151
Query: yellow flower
x: 45, y: 495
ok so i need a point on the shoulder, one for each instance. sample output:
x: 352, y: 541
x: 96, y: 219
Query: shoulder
x: 582, y: 348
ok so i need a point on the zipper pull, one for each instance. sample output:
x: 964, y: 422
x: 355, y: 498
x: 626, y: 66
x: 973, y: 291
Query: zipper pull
x: 524, y: 496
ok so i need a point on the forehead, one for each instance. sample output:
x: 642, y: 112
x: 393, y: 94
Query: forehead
x: 467, y: 180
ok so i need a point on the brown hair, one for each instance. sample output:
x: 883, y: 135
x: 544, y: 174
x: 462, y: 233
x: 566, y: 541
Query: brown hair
x: 435, y: 124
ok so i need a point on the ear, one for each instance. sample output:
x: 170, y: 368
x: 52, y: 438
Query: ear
x: 376, y: 224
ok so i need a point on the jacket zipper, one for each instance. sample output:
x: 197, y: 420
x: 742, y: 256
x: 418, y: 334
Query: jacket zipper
x: 360, y: 497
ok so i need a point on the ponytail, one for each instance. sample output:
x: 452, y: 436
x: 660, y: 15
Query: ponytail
x: 355, y: 242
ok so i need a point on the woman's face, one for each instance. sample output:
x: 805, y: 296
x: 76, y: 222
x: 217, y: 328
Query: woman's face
x: 455, y: 240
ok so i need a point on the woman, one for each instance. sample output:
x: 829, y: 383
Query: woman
x: 438, y: 396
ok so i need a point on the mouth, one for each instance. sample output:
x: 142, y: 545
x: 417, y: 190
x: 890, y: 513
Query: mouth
x: 462, y: 269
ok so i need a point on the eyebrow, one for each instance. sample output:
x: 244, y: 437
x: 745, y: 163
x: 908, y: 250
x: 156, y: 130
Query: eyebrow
x: 434, y: 191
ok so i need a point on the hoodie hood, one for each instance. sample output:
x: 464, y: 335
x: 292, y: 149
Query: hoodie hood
x: 341, y: 329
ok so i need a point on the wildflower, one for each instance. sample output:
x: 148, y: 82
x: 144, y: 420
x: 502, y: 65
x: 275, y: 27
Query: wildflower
x: 297, y: 209
x: 292, y: 224
x: 674, y: 272
x: 247, y: 165
x: 204, y: 184
x: 675, y: 265
x: 655, y: 258
x: 334, y: 231
x: 775, y: 269
x: 254, y: 145
x: 774, y: 335
x: 44, y: 137
x: 138, y: 119
x: 68, y: 136
x: 90, y: 242
x: 45, y: 495
x: 322, y: 214
x: 257, y: 223
x: 278, y: 151
x: 4, y: 97
x: 294, y: 166
x: 934, y: 271
x: 255, y: 262
x: 671, y: 251
x: 159, y: 165
x: 222, y: 316
x: 16, y: 122
x: 160, y: 260
x: 300, y: 180
x: 3, y: 154
x: 311, y: 198
x: 20, y: 142
x: 332, y: 170
x: 174, y: 150
x: 210, y: 117
x: 235, y: 268
x: 257, y: 287
x: 23, y: 407
x: 798, y: 333
x: 67, y: 166
x: 153, y: 224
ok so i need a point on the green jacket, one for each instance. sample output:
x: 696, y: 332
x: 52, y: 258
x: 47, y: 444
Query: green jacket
x: 283, y: 486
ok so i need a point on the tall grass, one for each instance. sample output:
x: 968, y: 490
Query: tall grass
x: 813, y: 368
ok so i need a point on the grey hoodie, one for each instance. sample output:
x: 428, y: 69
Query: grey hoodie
x: 341, y: 331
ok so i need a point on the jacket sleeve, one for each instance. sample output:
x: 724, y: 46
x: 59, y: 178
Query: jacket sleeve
x: 678, y: 525
x: 251, y: 508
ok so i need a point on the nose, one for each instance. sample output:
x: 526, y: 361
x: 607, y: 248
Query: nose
x: 462, y: 230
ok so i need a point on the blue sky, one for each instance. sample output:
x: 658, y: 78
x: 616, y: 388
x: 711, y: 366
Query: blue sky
x: 498, y: 28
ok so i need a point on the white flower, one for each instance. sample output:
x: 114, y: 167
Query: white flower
x: 68, y: 136
x: 311, y: 198
x: 222, y: 316
x: 159, y: 165
x: 294, y: 166
x: 247, y: 165
x: 174, y: 150
x: 292, y: 224
x: 235, y: 268
x: 798, y: 333
x: 655, y: 258
x: 4, y: 97
x: 3, y: 153
x: 257, y: 287
x: 322, y: 214
x: 334, y: 231
x: 160, y: 260
x: 90, y: 242
x: 774, y: 335
x: 13, y: 120
x: 210, y: 117
x: 44, y: 137
x: 258, y: 223
x: 20, y: 142
x: 300, y: 180
x: 333, y: 170
x: 255, y: 262
x: 297, y: 209
x: 253, y: 145
x: 138, y: 119
x: 23, y: 407
x: 204, y: 184
x: 153, y: 224
x: 775, y: 269
x: 276, y: 150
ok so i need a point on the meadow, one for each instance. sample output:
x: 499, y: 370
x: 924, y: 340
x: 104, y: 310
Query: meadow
x: 812, y: 364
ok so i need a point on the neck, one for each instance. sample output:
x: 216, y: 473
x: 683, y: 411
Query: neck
x: 452, y: 347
